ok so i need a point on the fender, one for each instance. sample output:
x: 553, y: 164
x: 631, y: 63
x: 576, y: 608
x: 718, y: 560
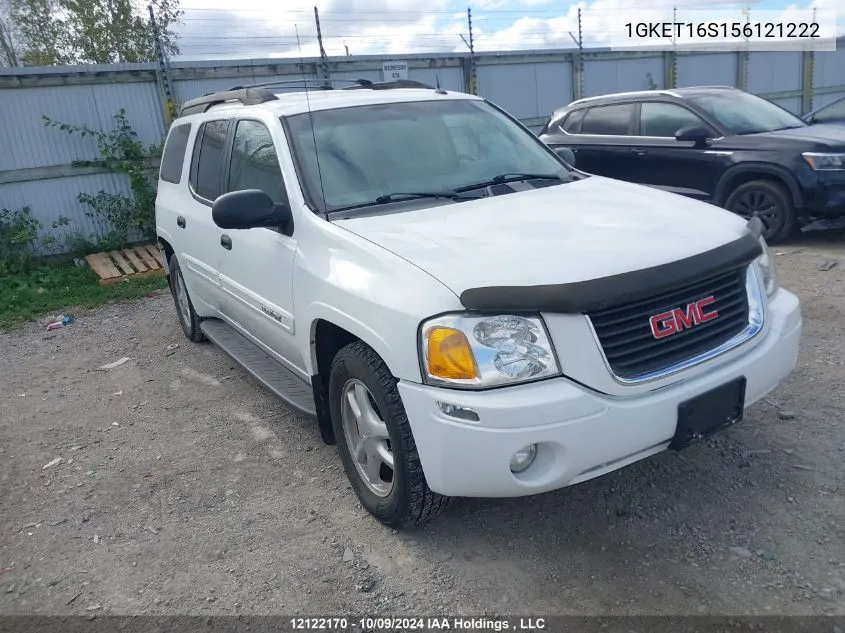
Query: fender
x: 723, y: 190
x: 322, y: 311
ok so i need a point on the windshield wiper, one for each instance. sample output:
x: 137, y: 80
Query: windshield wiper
x: 410, y: 195
x: 446, y: 194
x: 510, y: 177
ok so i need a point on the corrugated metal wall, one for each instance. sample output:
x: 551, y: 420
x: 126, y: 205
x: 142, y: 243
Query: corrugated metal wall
x: 35, y: 164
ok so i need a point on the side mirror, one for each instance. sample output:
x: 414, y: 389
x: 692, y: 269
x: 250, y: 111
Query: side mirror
x: 696, y: 134
x: 249, y: 209
x: 566, y: 154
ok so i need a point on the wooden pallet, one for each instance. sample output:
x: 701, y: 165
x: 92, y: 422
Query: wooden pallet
x: 129, y: 263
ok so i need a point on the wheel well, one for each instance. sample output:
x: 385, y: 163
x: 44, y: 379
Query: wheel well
x: 329, y: 339
x: 747, y: 176
x: 168, y: 251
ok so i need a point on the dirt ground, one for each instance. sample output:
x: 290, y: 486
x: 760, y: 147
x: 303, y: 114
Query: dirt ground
x: 184, y: 488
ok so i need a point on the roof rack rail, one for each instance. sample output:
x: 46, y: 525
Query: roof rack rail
x: 391, y: 85
x: 324, y: 83
x: 247, y: 96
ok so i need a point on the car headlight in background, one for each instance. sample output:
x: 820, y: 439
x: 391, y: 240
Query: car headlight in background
x: 486, y: 351
x: 824, y: 162
x: 766, y: 265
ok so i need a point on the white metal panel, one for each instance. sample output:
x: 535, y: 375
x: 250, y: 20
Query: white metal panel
x: 52, y: 199
x: 608, y: 76
x: 774, y: 71
x: 707, y: 69
x: 450, y: 78
x: 517, y: 87
x: 554, y: 87
x: 793, y: 104
x: 823, y: 100
x: 28, y: 143
x: 828, y: 67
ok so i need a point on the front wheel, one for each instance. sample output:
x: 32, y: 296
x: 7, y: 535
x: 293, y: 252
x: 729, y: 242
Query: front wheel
x: 769, y: 201
x: 375, y: 442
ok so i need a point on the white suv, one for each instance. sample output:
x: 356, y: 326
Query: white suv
x: 463, y: 312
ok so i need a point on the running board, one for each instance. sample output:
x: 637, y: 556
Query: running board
x: 264, y: 368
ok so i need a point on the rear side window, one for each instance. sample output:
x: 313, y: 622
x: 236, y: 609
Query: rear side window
x: 208, y: 159
x: 665, y: 119
x: 174, y: 153
x: 255, y: 164
x: 607, y: 120
x: 572, y: 123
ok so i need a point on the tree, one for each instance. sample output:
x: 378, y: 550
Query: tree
x: 8, y: 54
x: 57, y: 32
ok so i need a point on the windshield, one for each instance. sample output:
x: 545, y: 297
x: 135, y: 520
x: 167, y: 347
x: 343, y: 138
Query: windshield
x: 744, y: 113
x: 366, y: 152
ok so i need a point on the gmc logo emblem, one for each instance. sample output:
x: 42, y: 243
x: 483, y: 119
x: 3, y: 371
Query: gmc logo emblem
x: 677, y: 320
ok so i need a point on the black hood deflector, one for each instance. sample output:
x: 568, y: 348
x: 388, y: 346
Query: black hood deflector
x: 598, y: 294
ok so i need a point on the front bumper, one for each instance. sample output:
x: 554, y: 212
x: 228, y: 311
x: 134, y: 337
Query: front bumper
x: 580, y: 433
x: 826, y: 198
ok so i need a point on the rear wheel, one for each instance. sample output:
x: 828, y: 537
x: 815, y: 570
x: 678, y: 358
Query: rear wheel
x: 188, y: 318
x: 375, y: 442
x: 769, y: 201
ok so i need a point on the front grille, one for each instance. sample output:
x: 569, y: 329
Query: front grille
x: 631, y: 349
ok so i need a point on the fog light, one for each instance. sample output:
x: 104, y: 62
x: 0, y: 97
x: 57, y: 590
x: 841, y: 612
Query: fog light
x: 523, y: 458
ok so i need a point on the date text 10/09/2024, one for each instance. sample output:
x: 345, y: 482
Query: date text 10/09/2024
x: 419, y: 624
x: 764, y: 30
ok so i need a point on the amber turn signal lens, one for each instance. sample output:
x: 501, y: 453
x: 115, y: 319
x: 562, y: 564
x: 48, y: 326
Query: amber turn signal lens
x: 449, y: 355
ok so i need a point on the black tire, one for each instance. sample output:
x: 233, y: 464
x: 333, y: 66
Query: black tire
x: 190, y: 322
x: 410, y: 502
x: 771, y: 202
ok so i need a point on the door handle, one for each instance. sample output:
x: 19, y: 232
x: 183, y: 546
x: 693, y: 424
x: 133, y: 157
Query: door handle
x: 180, y: 222
x: 226, y: 242
x: 638, y: 151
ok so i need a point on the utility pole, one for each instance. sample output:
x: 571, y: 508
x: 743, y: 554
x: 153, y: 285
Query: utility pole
x: 163, y: 72
x: 324, y: 61
x: 578, y: 63
x: 473, y: 73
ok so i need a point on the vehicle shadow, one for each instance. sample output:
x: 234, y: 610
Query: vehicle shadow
x: 675, y: 533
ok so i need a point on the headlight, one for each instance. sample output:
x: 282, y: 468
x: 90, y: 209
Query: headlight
x: 824, y: 162
x: 766, y: 265
x: 486, y: 351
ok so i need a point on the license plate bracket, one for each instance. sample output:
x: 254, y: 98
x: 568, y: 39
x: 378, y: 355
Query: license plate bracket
x: 709, y: 413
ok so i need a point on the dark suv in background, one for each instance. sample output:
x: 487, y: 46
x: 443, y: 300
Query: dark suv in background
x: 717, y: 144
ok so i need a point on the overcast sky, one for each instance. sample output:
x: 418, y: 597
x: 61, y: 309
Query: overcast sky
x: 262, y: 28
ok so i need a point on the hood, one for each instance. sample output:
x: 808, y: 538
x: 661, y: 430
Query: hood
x: 820, y: 136
x: 592, y: 228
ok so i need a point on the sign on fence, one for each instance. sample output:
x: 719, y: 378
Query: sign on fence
x: 394, y: 71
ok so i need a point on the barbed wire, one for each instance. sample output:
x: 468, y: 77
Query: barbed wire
x: 216, y: 30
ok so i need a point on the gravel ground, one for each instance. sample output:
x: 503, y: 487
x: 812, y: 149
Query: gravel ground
x: 181, y: 487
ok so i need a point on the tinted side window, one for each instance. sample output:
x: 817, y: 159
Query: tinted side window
x: 208, y: 157
x: 611, y: 119
x: 572, y: 123
x: 174, y: 153
x: 665, y: 119
x: 255, y: 164
x: 833, y: 112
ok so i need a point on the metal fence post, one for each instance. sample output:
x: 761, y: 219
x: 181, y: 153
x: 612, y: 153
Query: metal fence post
x: 670, y: 69
x: 807, y: 81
